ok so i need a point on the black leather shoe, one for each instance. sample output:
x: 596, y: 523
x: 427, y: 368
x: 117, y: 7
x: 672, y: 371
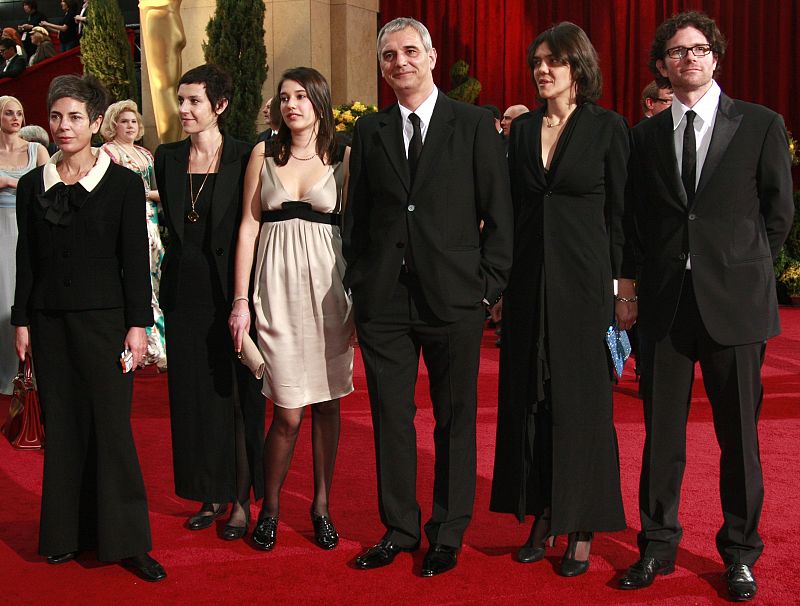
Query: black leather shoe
x: 534, y: 548
x: 381, y: 554
x: 232, y: 532
x: 439, y: 559
x: 145, y: 567
x: 265, y: 534
x: 741, y: 582
x: 570, y: 567
x: 644, y: 571
x: 206, y: 516
x: 324, y: 531
x: 62, y: 557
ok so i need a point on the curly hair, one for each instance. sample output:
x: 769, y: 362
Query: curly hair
x: 696, y: 19
x: 109, y: 127
x: 569, y: 41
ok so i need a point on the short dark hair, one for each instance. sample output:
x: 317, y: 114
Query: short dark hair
x: 218, y: 84
x: 670, y: 27
x: 568, y: 41
x: 649, y: 92
x: 32, y: 3
x: 319, y: 93
x: 87, y: 89
x: 8, y: 43
x: 275, y: 117
x: 495, y: 112
x: 72, y: 5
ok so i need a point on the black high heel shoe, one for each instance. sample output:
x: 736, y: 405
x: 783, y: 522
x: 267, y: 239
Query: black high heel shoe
x: 534, y: 547
x: 265, y: 534
x: 324, y: 531
x: 570, y: 567
x: 232, y: 532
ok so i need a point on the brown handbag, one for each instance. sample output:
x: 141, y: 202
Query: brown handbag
x: 23, y: 427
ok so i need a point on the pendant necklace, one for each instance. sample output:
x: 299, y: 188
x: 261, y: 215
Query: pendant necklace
x: 193, y: 216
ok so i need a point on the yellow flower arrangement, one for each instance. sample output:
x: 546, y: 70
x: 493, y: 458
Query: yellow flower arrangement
x: 346, y: 115
x: 794, y: 153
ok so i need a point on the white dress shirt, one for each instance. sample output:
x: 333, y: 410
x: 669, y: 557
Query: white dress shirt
x: 424, y: 111
x: 706, y: 114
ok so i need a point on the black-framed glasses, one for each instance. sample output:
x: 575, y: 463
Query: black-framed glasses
x: 679, y: 52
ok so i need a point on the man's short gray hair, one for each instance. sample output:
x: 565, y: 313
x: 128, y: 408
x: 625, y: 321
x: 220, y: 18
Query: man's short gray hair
x: 401, y: 23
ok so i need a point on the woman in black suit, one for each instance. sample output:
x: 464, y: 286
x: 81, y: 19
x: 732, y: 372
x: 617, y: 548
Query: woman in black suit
x: 556, y: 449
x: 83, y: 296
x: 216, y: 407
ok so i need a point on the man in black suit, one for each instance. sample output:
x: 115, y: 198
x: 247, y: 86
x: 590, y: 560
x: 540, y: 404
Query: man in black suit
x: 423, y: 174
x: 14, y: 64
x: 710, y: 191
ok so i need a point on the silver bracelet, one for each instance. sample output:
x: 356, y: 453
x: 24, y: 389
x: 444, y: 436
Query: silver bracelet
x: 632, y: 299
x: 244, y: 315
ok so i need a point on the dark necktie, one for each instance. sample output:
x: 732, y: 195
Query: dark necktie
x: 689, y: 161
x: 414, y: 146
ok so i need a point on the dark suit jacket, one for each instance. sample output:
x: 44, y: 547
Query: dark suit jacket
x: 13, y: 67
x: 740, y: 217
x: 98, y: 260
x: 171, y: 164
x: 462, y: 178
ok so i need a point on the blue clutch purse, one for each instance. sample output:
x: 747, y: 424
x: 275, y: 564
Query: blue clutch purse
x: 619, y: 346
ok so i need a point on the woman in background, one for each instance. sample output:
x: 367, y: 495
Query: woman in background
x: 216, y: 409
x: 556, y: 448
x: 294, y: 197
x: 68, y: 28
x: 17, y: 157
x: 122, y: 125
x: 82, y: 297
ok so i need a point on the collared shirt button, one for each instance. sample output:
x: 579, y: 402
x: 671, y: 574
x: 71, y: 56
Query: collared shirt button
x: 411, y: 208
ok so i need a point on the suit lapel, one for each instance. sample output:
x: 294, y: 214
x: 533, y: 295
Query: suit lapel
x: 391, y: 135
x: 663, y: 145
x: 176, y: 166
x: 726, y: 124
x: 227, y: 182
x: 439, y: 132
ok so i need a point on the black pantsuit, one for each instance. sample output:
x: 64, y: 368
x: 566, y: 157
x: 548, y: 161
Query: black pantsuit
x: 390, y: 345
x: 86, y: 404
x: 83, y: 280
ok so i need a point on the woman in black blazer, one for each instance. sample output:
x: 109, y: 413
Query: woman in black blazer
x: 216, y: 406
x: 556, y: 445
x: 82, y: 297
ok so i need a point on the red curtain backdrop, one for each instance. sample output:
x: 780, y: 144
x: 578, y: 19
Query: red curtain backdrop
x: 762, y: 63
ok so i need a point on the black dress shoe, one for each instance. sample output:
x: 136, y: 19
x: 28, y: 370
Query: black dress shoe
x: 534, y: 548
x: 265, y: 534
x: 570, y: 567
x: 741, y: 582
x: 145, y: 567
x: 381, y: 554
x: 324, y: 531
x: 439, y: 559
x: 644, y: 571
x: 62, y: 557
x: 206, y: 516
x: 232, y: 532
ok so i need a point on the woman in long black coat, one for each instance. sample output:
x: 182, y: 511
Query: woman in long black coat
x: 556, y: 454
x: 216, y: 406
x: 82, y: 297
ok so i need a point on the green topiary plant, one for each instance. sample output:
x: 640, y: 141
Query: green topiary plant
x: 105, y: 52
x: 236, y: 43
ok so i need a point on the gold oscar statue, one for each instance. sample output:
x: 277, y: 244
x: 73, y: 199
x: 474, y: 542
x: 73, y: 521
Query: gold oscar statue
x: 163, y: 40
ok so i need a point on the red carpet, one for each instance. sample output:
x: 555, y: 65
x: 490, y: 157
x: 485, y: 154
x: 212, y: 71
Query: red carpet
x: 203, y: 569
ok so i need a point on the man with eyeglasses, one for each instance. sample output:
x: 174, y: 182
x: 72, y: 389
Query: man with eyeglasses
x: 710, y: 192
x: 655, y: 99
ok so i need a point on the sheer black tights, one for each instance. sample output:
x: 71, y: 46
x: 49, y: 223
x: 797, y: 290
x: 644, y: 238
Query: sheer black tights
x: 279, y: 448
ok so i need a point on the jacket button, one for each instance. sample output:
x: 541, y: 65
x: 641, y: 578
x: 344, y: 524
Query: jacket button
x: 411, y: 208
x: 548, y: 194
x: 65, y: 253
x: 692, y: 217
x: 400, y: 245
x: 682, y: 256
x: 219, y: 252
x: 67, y: 282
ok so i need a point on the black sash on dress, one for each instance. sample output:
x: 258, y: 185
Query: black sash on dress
x: 299, y: 210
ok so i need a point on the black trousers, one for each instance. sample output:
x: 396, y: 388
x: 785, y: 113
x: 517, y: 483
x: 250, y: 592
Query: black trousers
x: 732, y: 379
x: 391, y: 343
x: 93, y: 495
